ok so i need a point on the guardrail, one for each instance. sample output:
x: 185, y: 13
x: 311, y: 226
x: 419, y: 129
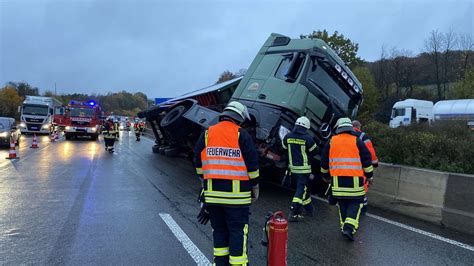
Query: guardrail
x: 439, y: 197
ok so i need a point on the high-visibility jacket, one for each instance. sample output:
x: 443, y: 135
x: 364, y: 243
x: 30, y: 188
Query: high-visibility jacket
x: 368, y: 143
x: 347, y: 160
x: 301, y: 148
x: 227, y: 159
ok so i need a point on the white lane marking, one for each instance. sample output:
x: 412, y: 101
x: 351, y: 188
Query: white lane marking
x: 193, y: 251
x: 416, y: 230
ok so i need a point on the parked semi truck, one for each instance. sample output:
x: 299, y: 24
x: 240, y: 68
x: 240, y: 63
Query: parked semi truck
x: 37, y: 114
x: 288, y: 78
x: 417, y: 111
x: 82, y: 119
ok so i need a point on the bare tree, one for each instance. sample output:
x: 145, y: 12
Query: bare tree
x: 433, y: 46
x: 450, y: 42
x: 466, y: 44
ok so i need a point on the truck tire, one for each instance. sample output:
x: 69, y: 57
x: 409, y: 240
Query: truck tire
x: 155, y: 149
x: 174, y: 123
x: 172, y: 151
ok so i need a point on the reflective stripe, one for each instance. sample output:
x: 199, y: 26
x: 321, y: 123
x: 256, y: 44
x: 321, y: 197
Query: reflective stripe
x: 349, y: 189
x: 341, y: 222
x: 356, y: 167
x: 358, y: 214
x: 254, y: 174
x: 296, y: 141
x: 219, y: 252
x: 367, y: 141
x: 356, y: 181
x: 235, y: 186
x: 335, y: 182
x: 375, y: 161
x: 283, y: 144
x: 290, y: 156
x: 224, y: 194
x: 244, y: 248
x: 307, y: 171
x: 344, y: 160
x: 223, y: 162
x: 239, y: 260
x: 297, y: 200
x: 225, y: 172
x: 369, y: 169
x: 303, y: 153
x: 313, y: 147
x: 306, y: 202
x: 324, y: 171
x: 347, y: 194
x: 354, y: 222
x: 361, y: 136
x: 205, y: 138
x: 199, y: 171
x: 209, y: 184
x: 302, y: 167
x: 228, y: 201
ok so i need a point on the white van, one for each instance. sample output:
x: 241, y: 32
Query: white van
x: 411, y: 110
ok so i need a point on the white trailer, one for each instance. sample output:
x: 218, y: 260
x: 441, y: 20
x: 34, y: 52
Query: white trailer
x: 411, y: 110
x: 37, y: 114
x: 454, y: 110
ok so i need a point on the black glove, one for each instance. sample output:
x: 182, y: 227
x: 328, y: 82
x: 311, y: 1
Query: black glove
x: 203, y: 216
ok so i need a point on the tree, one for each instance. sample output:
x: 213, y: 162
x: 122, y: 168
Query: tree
x: 450, y: 41
x: 465, y: 89
x: 24, y: 88
x: 9, y: 102
x: 466, y: 44
x: 433, y: 46
x: 371, y: 94
x: 344, y: 47
x: 225, y: 76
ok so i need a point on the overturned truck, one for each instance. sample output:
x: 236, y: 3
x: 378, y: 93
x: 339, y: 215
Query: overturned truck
x: 288, y: 78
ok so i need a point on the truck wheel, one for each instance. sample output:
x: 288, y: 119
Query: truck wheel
x: 172, y: 152
x: 174, y: 123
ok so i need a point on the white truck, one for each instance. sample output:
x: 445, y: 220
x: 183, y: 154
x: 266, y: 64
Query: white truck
x: 410, y: 110
x: 37, y: 114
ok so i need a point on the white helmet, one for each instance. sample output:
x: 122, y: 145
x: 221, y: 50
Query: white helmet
x: 236, y: 111
x: 344, y: 124
x: 303, y: 121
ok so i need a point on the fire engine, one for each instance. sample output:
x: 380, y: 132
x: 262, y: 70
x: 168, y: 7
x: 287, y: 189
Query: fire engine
x: 82, y: 119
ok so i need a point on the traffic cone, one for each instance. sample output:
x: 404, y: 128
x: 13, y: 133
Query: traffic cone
x: 12, y: 152
x: 34, y: 145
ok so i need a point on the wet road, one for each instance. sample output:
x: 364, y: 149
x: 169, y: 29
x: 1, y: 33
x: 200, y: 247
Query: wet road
x: 70, y: 202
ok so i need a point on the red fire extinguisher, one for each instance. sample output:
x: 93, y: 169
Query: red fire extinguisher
x: 275, y: 238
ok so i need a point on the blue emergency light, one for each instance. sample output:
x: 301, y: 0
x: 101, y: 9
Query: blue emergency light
x: 91, y: 103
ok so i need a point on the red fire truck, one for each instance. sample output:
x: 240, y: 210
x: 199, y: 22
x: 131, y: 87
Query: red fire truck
x: 82, y: 119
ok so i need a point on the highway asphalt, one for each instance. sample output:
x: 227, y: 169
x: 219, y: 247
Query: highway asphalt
x: 70, y: 202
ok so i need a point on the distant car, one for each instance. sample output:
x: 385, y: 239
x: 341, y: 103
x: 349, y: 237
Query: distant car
x: 9, y: 129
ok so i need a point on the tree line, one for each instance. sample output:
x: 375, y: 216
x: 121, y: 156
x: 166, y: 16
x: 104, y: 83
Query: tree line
x: 120, y: 103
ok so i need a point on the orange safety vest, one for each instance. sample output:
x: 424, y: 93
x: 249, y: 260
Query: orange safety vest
x: 344, y: 158
x: 222, y: 157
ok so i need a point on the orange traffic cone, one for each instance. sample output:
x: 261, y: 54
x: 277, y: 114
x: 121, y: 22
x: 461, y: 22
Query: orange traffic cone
x: 34, y: 145
x: 12, y: 152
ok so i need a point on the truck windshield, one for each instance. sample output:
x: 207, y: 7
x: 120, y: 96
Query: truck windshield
x: 35, y: 110
x: 322, y: 75
x: 82, y: 112
x: 398, y: 112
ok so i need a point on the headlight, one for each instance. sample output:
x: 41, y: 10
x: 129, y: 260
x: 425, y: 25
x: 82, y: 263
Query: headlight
x: 93, y: 129
x: 46, y: 126
x: 282, y: 132
x: 68, y: 128
x: 22, y: 124
x: 4, y: 134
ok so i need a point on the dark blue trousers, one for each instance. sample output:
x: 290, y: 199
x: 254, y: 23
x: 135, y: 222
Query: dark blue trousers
x: 230, y: 230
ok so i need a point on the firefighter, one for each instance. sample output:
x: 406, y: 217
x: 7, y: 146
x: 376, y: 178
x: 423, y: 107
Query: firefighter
x: 109, y: 135
x: 117, y: 129
x: 226, y: 158
x: 301, y: 148
x: 345, y: 160
x: 139, y: 127
x: 375, y: 162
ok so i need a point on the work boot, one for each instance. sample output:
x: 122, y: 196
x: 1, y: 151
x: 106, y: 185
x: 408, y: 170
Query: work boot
x: 308, y: 210
x: 295, y: 213
x: 348, y: 234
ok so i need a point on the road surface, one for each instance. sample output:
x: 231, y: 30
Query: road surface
x: 70, y: 202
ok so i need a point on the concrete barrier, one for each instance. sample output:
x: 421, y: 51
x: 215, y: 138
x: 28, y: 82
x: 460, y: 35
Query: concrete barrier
x: 439, y: 197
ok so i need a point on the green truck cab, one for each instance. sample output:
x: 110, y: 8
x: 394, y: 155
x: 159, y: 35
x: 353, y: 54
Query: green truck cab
x: 288, y: 78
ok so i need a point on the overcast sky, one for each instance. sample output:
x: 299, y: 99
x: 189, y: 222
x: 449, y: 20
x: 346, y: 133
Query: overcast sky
x: 167, y: 48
